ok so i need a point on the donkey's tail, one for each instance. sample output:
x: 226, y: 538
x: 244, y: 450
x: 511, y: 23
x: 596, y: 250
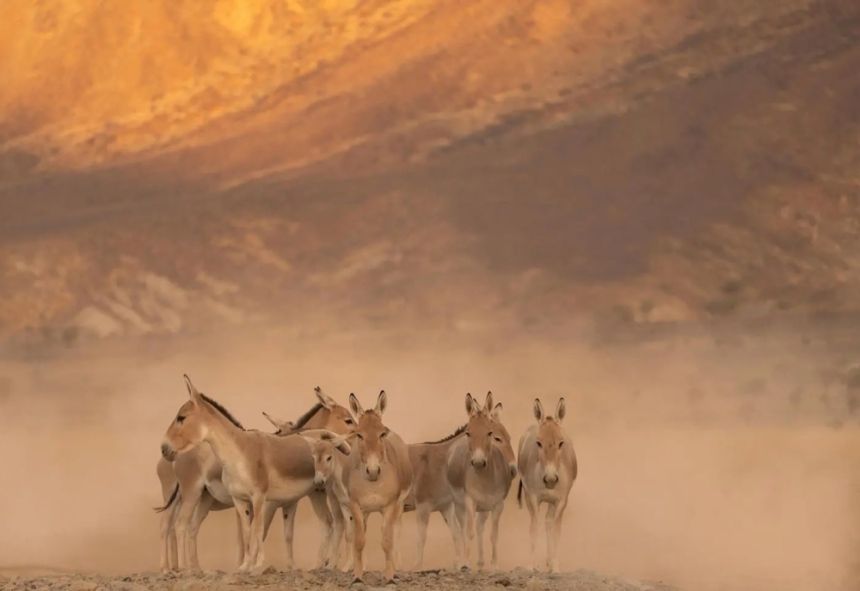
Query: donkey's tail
x: 520, y: 494
x: 170, y: 501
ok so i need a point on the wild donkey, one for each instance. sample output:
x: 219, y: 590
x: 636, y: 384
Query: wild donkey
x: 256, y: 467
x: 191, y: 486
x: 548, y: 468
x: 480, y: 470
x: 330, y: 452
x: 431, y: 491
x: 378, y: 478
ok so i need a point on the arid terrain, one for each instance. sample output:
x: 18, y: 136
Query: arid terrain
x: 426, y: 580
x: 651, y: 208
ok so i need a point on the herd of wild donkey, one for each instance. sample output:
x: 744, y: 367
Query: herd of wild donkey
x: 349, y: 464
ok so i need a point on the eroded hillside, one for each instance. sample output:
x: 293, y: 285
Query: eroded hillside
x: 475, y: 166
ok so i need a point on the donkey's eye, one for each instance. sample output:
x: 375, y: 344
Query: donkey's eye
x: 498, y: 439
x: 385, y: 433
x: 328, y: 459
x: 349, y: 421
x: 359, y: 435
x: 180, y: 419
x: 560, y: 444
x: 539, y: 443
x: 468, y: 434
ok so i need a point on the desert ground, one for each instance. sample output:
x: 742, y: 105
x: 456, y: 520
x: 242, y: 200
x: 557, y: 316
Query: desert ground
x: 303, y: 580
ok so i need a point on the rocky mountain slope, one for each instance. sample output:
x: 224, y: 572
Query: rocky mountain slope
x: 478, y: 166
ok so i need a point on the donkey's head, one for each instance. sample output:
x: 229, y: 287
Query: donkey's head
x: 324, y: 446
x: 370, y: 434
x: 326, y: 414
x: 334, y: 417
x: 486, y: 433
x: 549, y: 441
x: 189, y: 427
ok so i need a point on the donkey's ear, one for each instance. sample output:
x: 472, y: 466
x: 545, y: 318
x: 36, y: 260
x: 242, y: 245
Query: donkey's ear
x: 281, y: 426
x: 355, y: 406
x: 192, y: 390
x: 538, y: 410
x: 326, y: 400
x: 342, y: 446
x: 471, y: 405
x: 488, y: 403
x: 560, y: 409
x: 381, y: 402
x: 497, y: 412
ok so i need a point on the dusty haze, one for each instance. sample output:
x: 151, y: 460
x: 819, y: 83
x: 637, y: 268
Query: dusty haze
x: 649, y: 208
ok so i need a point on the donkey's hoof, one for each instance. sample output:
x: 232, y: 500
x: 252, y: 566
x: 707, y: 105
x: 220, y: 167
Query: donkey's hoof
x: 464, y: 568
x: 391, y: 581
x: 357, y: 581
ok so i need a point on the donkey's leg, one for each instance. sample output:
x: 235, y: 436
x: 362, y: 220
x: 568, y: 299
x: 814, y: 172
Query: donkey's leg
x: 240, y: 531
x: 552, y: 559
x: 482, y: 520
x: 462, y: 547
x: 449, y: 514
x: 319, y: 502
x: 494, y: 534
x: 359, y: 535
x: 243, y: 511
x: 398, y: 540
x: 189, y: 500
x: 197, y: 517
x: 349, y: 522
x: 531, y: 505
x: 469, y: 526
x: 551, y: 510
x: 422, y: 519
x: 168, y: 537
x: 390, y: 517
x: 258, y: 503
x: 337, y: 528
x: 289, y: 512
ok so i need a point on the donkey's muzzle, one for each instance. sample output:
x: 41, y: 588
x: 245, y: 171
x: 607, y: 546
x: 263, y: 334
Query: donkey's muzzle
x: 479, y: 463
x: 167, y: 452
x: 550, y: 480
x: 373, y: 473
x: 319, y: 484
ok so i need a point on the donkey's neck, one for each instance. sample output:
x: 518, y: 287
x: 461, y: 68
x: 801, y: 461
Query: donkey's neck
x: 224, y: 438
x: 319, y: 420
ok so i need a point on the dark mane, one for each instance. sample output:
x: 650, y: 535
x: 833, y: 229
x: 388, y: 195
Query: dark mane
x: 303, y: 420
x: 449, y: 437
x: 217, y: 406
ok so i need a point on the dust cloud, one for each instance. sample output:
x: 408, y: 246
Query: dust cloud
x: 704, y: 464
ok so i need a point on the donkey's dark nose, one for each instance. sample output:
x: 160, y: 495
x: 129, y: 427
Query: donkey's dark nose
x: 550, y: 480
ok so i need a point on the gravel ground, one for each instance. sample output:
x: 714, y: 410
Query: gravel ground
x: 581, y: 580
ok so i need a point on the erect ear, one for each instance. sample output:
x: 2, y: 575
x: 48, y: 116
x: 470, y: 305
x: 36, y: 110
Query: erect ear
x: 192, y: 391
x: 355, y: 406
x: 488, y: 403
x: 381, y: 402
x: 497, y: 412
x: 538, y: 410
x: 326, y: 400
x: 342, y: 446
x: 560, y: 409
x: 471, y: 405
x: 279, y: 424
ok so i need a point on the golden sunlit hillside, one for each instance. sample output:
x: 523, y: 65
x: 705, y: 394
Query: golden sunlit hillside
x: 167, y: 165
